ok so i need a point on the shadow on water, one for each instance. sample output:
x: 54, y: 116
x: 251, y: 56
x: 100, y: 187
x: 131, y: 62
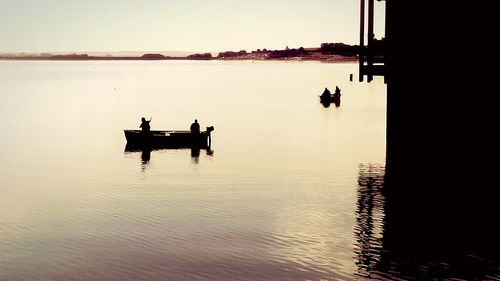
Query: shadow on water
x: 146, y: 152
x: 397, y: 239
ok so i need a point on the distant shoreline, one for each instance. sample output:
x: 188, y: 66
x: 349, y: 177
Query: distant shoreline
x: 324, y: 58
x: 328, y: 52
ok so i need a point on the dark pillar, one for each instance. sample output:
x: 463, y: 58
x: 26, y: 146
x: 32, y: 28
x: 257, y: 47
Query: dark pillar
x: 438, y: 187
x: 371, y: 36
x: 361, y: 39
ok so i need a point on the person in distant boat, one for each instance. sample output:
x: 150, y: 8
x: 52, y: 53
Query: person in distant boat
x: 145, y: 125
x: 326, y: 93
x: 337, y: 91
x: 195, y: 127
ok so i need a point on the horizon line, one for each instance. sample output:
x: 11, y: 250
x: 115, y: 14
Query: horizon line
x: 156, y: 51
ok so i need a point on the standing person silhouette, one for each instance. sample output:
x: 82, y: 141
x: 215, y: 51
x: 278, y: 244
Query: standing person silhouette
x: 145, y: 125
x: 195, y: 127
x: 195, y: 134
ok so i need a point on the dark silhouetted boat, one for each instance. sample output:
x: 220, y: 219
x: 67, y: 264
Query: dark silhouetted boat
x: 168, y: 139
x: 326, y: 100
x: 332, y: 98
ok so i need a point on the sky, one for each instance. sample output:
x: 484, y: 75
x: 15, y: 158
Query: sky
x: 178, y: 25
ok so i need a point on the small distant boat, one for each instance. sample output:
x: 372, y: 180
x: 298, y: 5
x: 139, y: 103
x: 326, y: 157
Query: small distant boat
x: 168, y: 139
x: 332, y: 98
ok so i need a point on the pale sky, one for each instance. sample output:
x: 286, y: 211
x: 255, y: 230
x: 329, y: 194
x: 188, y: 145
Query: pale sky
x: 178, y: 25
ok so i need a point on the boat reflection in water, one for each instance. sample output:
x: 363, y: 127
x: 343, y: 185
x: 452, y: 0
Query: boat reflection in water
x: 146, y: 150
x: 195, y: 153
x: 402, y: 234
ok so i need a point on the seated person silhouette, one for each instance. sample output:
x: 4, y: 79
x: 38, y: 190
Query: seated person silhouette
x: 337, y: 91
x: 326, y: 93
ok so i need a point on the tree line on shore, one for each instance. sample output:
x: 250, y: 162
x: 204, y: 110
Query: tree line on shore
x: 325, y: 50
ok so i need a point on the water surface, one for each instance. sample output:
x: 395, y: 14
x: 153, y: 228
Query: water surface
x: 282, y: 195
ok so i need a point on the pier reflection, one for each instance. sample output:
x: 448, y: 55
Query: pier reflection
x: 402, y: 234
x: 369, y: 217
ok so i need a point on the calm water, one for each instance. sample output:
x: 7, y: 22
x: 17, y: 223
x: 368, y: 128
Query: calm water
x: 282, y: 195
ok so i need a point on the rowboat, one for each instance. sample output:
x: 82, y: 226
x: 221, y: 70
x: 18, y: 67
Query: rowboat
x: 332, y: 98
x: 168, y: 139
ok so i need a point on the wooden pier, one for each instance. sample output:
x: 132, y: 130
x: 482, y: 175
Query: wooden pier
x: 372, y: 55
